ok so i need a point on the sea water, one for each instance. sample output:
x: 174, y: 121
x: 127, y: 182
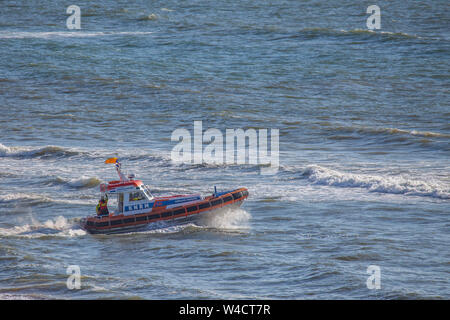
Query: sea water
x: 363, y: 118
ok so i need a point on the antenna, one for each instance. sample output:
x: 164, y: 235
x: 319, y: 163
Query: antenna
x: 119, y: 172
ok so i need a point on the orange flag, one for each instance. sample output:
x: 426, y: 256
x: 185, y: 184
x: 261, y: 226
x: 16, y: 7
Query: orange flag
x: 111, y: 160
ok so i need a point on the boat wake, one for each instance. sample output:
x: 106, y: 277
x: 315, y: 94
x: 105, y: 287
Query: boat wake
x: 58, y: 227
x: 230, y: 220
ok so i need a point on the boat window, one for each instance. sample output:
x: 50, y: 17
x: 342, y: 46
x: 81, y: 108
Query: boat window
x: 147, y: 191
x: 136, y: 196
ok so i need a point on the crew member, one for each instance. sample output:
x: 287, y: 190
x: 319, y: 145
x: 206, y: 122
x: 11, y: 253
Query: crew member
x: 102, y: 207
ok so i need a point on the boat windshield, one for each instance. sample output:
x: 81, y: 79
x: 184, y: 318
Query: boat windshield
x: 147, y: 192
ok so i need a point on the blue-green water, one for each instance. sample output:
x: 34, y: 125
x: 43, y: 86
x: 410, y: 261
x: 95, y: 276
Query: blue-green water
x: 364, y: 148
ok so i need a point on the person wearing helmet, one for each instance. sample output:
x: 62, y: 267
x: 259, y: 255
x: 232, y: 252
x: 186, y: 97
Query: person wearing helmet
x: 102, y: 206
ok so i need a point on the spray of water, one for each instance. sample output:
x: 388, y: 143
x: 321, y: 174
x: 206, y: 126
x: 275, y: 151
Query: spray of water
x: 227, y: 219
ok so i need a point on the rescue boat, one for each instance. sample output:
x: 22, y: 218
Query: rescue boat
x: 136, y: 208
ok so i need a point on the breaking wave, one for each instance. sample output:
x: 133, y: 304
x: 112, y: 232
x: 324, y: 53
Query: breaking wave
x: 29, y: 199
x: 51, y: 151
x: 374, y: 183
x: 382, y: 130
x: 32, y: 199
x: 59, y: 226
x: 30, y: 152
x: 150, y: 17
x: 77, y: 183
x: 84, y: 182
x: 16, y: 296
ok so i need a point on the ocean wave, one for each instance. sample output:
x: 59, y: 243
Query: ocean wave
x: 23, y: 198
x: 76, y: 183
x: 384, y: 33
x: 30, y: 152
x: 32, y: 199
x: 149, y: 17
x: 84, y: 182
x: 51, y: 151
x: 16, y: 296
x: 312, y: 33
x: 374, y: 183
x: 67, y: 34
x: 385, y: 135
x: 383, y: 130
x: 58, y: 226
x: 135, y: 155
x: 188, y: 166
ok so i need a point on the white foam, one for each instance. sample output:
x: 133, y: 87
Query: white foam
x: 151, y: 16
x: 227, y: 219
x: 399, y: 34
x: 412, y: 132
x: 374, y: 183
x: 34, y: 198
x: 83, y: 182
x: 4, y: 150
x: 162, y: 227
x: 58, y: 227
x: 428, y: 134
x: 14, y: 296
x: 21, y: 197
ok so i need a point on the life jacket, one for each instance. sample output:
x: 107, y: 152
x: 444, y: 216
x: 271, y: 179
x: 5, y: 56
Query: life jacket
x: 102, y: 207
